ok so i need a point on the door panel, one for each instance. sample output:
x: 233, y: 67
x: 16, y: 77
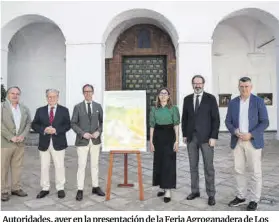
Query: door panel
x: 145, y: 73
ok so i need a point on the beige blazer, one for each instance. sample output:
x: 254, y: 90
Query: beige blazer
x: 8, y: 127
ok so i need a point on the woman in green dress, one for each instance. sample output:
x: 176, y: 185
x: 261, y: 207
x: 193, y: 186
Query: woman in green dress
x: 164, y: 122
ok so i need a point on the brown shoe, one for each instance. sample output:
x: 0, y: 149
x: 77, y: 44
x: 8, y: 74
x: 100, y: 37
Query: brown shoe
x: 19, y: 193
x: 5, y: 196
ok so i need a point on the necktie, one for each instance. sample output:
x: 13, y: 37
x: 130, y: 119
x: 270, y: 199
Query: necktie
x: 89, y: 110
x: 197, y: 104
x: 51, y: 115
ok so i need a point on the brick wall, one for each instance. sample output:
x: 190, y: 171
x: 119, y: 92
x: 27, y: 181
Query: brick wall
x: 126, y: 45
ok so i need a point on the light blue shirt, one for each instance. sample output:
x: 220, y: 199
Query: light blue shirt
x: 16, y: 115
x: 54, y: 110
x: 86, y: 106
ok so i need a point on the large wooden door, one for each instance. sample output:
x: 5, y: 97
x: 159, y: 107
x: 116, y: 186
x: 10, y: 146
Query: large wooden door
x: 145, y: 73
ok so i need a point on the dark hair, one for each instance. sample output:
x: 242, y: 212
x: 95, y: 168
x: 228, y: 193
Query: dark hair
x: 158, y: 102
x: 87, y: 85
x: 245, y: 79
x: 13, y: 87
x: 198, y: 76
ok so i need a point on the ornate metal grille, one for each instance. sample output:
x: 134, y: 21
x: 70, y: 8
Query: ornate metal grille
x: 145, y: 73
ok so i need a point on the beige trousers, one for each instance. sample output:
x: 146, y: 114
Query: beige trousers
x: 58, y: 160
x: 11, y: 158
x: 245, y: 154
x: 82, y: 152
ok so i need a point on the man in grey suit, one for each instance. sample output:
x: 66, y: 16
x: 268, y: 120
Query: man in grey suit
x: 87, y: 122
x: 15, y: 126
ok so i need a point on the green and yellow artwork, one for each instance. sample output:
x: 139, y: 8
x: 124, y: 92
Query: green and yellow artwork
x: 124, y: 126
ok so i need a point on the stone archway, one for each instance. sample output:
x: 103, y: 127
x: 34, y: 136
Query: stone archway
x: 130, y: 18
x: 34, y: 58
x: 251, y: 49
x: 160, y: 45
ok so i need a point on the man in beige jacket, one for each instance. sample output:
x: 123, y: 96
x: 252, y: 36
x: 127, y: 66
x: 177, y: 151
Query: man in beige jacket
x: 15, y: 126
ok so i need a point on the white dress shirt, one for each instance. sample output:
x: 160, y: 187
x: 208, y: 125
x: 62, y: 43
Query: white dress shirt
x: 86, y: 106
x: 243, y: 115
x: 195, y: 97
x: 16, y: 115
x: 54, y: 110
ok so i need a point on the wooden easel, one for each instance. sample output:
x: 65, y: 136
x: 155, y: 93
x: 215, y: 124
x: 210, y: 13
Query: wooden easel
x: 125, y: 184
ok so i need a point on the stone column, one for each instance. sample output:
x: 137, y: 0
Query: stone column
x: 4, y: 66
x: 85, y: 63
x: 276, y: 103
x: 193, y: 58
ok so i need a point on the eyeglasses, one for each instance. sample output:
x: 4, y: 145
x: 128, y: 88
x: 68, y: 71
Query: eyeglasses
x: 87, y: 91
x: 197, y: 83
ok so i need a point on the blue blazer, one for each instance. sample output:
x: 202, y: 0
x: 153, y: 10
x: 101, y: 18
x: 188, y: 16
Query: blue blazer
x: 258, y: 120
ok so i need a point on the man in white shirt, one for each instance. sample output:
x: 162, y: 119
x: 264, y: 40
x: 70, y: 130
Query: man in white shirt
x: 87, y: 122
x: 246, y: 120
x: 15, y: 126
x: 52, y: 122
x: 200, y: 128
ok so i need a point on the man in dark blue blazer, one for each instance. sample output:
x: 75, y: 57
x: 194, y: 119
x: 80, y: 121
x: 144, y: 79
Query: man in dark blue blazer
x: 246, y: 120
x: 200, y: 128
x: 52, y: 122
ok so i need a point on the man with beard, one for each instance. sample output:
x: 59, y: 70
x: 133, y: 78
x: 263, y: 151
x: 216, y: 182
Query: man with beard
x: 200, y: 128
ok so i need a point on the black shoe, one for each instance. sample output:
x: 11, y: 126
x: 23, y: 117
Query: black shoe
x: 98, y: 191
x: 236, y: 202
x: 161, y: 193
x: 79, y: 196
x: 211, y: 201
x: 252, y: 206
x: 192, y: 196
x: 167, y: 199
x: 61, y: 194
x: 42, y: 194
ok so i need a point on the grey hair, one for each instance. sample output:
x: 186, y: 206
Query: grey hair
x: 52, y: 90
x: 13, y: 87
